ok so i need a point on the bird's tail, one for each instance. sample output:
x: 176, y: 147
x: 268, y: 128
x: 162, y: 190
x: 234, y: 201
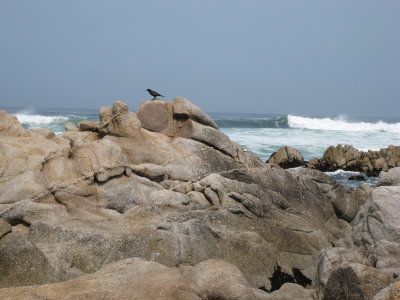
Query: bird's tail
x: 162, y: 96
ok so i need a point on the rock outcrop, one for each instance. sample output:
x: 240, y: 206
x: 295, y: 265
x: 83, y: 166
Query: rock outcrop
x: 160, y: 204
x: 287, y: 157
x: 350, y: 159
x: 9, y: 125
x: 345, y: 202
x: 366, y: 261
x: 390, y: 178
x: 342, y: 157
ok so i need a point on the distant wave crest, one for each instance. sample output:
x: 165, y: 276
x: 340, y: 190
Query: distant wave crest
x: 53, y: 123
x: 38, y: 119
x: 340, y: 123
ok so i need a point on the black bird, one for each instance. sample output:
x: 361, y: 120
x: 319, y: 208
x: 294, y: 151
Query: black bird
x: 154, y: 94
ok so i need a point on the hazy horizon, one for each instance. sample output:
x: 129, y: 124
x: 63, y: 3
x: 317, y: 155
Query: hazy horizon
x: 306, y: 57
x: 214, y: 114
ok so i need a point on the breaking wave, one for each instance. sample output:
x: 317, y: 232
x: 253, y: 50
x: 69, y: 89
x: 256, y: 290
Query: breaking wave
x: 39, y: 119
x: 340, y: 123
x: 54, y: 123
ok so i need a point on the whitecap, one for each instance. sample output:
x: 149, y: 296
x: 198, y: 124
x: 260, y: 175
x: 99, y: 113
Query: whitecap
x: 39, y: 119
x: 340, y: 123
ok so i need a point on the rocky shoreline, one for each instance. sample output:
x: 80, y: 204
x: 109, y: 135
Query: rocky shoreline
x: 341, y: 157
x: 160, y: 204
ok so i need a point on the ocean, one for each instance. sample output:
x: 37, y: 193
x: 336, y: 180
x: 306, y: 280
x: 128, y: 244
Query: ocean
x: 263, y: 134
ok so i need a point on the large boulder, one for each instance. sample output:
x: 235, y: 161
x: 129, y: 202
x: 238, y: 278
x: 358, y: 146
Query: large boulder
x: 22, y: 162
x: 157, y: 116
x: 184, y: 109
x: 21, y: 261
x: 214, y: 279
x: 126, y: 279
x: 332, y: 258
x: 346, y: 202
x: 287, y: 157
x: 355, y: 281
x: 377, y: 228
x: 118, y: 120
x: 391, y: 177
x: 86, y: 126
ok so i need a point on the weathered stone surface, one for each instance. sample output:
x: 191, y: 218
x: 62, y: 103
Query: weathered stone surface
x: 290, y: 291
x: 22, y: 160
x: 102, y: 159
x: 157, y: 116
x: 9, y: 125
x: 183, y: 108
x: 4, y: 228
x: 193, y: 205
x: 126, y: 279
x: 216, y: 139
x: 287, y: 157
x: 346, y: 202
x: 46, y: 133
x: 391, y: 177
x: 355, y: 281
x: 383, y: 294
x: 118, y: 120
x: 214, y: 279
x: 88, y: 126
x: 395, y: 291
x: 69, y: 126
x: 332, y: 258
x: 376, y: 228
x: 21, y: 262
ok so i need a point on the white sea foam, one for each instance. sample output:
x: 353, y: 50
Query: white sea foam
x: 39, y: 119
x: 340, y: 123
x: 340, y: 171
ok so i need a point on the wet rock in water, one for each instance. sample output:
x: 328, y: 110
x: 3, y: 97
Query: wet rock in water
x: 350, y: 159
x: 357, y: 177
x: 287, y: 157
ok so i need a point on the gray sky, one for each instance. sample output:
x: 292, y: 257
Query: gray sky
x: 302, y: 57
